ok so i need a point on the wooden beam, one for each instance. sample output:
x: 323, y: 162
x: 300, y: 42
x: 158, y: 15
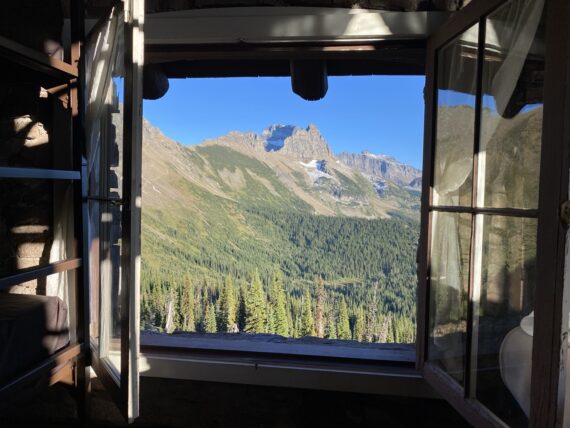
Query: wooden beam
x: 309, y: 79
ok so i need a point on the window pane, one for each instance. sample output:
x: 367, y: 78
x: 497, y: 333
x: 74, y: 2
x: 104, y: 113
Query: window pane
x: 105, y: 71
x: 110, y: 228
x: 503, y: 305
x: 456, y: 87
x: 449, y: 280
x: 511, y: 120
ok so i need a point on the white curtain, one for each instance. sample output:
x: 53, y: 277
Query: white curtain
x: 63, y: 284
x: 512, y: 35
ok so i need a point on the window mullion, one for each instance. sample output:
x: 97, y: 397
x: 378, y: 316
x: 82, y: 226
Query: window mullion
x: 476, y: 228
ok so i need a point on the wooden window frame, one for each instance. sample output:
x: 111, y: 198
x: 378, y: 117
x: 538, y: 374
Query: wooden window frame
x: 122, y: 383
x: 385, y: 373
x: 553, y: 191
x: 272, y: 369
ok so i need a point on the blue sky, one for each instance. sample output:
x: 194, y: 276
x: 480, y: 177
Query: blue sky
x: 382, y: 114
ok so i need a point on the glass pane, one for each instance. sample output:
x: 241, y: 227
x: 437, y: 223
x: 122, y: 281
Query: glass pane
x: 503, y: 303
x: 110, y: 224
x: 455, y: 122
x: 105, y: 71
x: 511, y: 120
x: 449, y: 280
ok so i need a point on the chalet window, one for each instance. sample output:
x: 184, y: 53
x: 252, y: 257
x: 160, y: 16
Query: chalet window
x: 492, y: 328
x: 485, y: 224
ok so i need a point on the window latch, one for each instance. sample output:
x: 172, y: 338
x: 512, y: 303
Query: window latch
x: 113, y: 201
x: 565, y: 213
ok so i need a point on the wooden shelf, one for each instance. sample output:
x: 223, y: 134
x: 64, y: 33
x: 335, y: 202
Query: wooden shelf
x: 52, y: 364
x: 35, y: 272
x: 39, y: 173
x: 13, y: 53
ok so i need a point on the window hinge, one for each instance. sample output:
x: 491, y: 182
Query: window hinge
x: 565, y: 213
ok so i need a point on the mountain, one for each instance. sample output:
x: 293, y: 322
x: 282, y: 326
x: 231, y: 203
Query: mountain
x: 382, y: 167
x: 366, y: 185
x: 275, y: 201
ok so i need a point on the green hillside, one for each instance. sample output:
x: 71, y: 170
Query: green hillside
x: 225, y: 239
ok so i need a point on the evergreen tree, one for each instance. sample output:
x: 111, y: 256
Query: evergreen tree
x: 343, y: 325
x: 281, y: 317
x: 255, y: 307
x: 270, y: 319
x: 359, y: 325
x: 371, y: 315
x: 307, y: 321
x: 227, y: 307
x: 186, y: 305
x: 330, y: 330
x: 390, y: 329
x: 320, y: 312
x: 210, y: 319
x: 241, y: 311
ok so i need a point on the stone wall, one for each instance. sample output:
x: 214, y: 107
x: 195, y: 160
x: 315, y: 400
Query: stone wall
x: 26, y: 113
x: 26, y: 205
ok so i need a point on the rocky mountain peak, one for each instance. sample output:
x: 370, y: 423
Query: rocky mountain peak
x: 306, y: 144
x: 382, y: 167
x: 302, y: 144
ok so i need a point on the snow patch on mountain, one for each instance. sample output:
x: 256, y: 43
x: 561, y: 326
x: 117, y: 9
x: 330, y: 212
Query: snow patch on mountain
x: 275, y: 136
x: 316, y: 169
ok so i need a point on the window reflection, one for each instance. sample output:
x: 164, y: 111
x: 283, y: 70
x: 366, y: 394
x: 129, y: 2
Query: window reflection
x: 449, y: 279
x: 456, y: 84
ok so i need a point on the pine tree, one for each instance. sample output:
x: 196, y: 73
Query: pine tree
x: 186, y: 305
x: 210, y: 319
x: 371, y: 315
x: 278, y: 303
x: 227, y: 307
x: 390, y: 338
x: 270, y: 319
x: 359, y: 325
x: 343, y: 325
x: 307, y: 321
x: 202, y: 304
x: 320, y: 315
x: 241, y: 311
x: 255, y: 307
x: 330, y: 330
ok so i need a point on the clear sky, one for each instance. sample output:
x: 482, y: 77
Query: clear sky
x: 381, y: 114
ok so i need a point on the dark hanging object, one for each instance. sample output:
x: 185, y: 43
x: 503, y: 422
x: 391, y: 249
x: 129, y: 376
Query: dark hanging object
x: 155, y: 82
x: 309, y: 79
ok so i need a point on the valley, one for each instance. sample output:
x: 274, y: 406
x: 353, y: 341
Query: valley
x: 274, y: 233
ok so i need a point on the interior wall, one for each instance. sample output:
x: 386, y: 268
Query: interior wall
x: 26, y: 128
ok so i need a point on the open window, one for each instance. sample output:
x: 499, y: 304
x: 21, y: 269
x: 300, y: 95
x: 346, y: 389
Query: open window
x: 113, y: 64
x: 490, y: 215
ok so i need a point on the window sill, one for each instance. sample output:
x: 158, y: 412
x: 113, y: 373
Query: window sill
x: 297, y: 365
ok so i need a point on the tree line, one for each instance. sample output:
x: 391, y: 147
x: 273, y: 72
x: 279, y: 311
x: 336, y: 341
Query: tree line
x: 253, y: 306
